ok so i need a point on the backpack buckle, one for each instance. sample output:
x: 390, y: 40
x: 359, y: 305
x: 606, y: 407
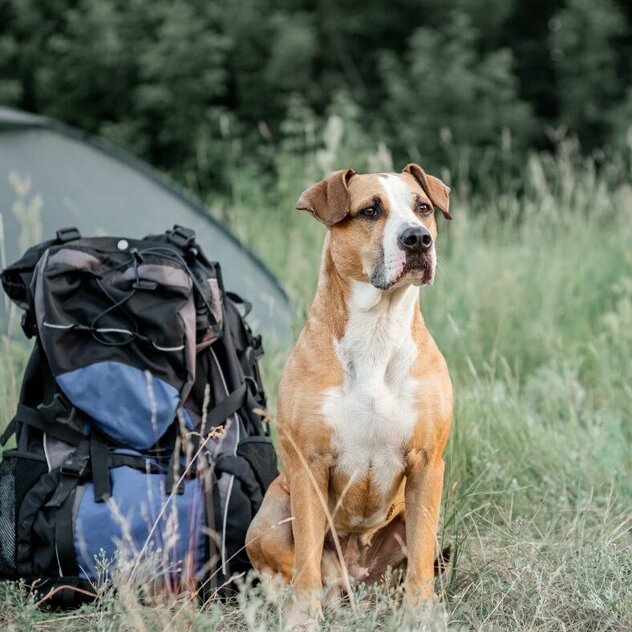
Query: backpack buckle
x: 58, y: 406
x: 181, y: 236
x: 28, y: 324
x: 254, y: 351
x: 75, y: 465
x: 257, y: 344
x: 65, y: 235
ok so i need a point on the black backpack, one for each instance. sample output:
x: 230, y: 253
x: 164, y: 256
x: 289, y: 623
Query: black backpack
x: 140, y: 440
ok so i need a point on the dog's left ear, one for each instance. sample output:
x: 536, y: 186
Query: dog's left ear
x: 328, y: 200
x: 437, y: 191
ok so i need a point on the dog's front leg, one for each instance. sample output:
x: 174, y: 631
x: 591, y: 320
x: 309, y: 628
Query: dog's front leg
x: 308, y: 482
x: 424, y: 484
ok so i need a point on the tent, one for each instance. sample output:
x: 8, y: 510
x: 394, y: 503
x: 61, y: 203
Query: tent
x: 54, y: 176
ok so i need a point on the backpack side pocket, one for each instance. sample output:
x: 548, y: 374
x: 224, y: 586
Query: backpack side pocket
x: 19, y: 473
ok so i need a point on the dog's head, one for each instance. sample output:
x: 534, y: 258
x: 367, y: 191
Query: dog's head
x: 382, y: 226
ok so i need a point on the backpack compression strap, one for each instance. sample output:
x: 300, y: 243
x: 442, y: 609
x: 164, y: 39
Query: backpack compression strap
x: 216, y: 416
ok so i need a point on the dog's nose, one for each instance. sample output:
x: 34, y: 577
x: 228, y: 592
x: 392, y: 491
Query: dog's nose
x: 415, y: 239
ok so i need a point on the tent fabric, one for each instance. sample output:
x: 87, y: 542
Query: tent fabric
x: 54, y: 176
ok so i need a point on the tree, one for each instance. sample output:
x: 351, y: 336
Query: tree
x: 583, y: 48
x: 443, y: 93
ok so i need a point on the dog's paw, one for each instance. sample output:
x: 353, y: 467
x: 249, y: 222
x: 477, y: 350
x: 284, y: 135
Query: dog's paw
x: 304, y: 613
x: 300, y: 621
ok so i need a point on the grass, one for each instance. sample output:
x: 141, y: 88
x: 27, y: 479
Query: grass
x: 532, y: 308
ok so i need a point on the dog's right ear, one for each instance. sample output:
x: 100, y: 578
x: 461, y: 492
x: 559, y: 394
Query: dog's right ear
x: 328, y: 200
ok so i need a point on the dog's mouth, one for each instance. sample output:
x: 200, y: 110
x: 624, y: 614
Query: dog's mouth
x: 416, y: 270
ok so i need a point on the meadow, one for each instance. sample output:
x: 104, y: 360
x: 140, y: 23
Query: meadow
x: 532, y: 308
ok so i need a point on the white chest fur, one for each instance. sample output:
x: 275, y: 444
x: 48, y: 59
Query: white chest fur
x: 373, y: 412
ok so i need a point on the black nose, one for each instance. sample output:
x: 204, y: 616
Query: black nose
x: 415, y: 239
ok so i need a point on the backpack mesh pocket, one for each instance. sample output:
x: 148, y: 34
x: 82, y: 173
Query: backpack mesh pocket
x: 17, y: 476
x: 7, y: 517
x: 260, y: 453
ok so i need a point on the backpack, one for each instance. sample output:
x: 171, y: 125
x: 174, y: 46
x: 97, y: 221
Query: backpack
x: 140, y: 438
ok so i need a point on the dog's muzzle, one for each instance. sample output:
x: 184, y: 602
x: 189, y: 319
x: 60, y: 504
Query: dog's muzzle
x: 416, y: 241
x: 412, y: 262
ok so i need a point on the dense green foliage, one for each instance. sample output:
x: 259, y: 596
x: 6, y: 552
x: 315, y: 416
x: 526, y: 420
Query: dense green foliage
x: 183, y: 83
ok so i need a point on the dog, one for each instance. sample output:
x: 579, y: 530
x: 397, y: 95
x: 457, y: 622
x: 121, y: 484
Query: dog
x: 365, y: 398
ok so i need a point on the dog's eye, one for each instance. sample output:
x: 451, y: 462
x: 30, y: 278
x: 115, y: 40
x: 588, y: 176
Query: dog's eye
x: 424, y: 209
x: 370, y: 211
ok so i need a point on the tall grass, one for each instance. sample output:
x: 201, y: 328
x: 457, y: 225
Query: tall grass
x: 532, y: 307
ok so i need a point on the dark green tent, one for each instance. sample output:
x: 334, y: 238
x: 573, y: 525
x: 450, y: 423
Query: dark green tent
x: 53, y: 176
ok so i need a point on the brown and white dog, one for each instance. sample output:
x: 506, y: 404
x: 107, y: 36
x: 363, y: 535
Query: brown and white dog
x: 365, y: 399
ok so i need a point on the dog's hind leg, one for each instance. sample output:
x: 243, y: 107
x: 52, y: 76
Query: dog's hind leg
x: 269, y: 541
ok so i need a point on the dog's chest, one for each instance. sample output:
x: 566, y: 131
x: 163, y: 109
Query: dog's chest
x: 373, y: 413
